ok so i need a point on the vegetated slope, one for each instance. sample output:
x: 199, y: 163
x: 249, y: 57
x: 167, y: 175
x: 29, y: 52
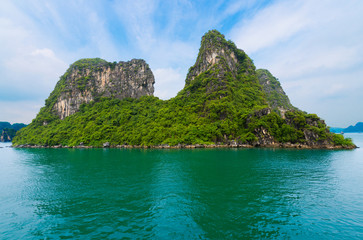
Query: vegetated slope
x: 224, y: 101
x: 88, y: 80
x: 277, y: 99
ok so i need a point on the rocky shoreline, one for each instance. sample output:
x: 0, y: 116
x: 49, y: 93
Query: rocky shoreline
x: 185, y: 146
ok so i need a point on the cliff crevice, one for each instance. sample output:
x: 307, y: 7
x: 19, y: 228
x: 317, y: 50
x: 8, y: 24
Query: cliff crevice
x: 89, y: 79
x: 225, y: 102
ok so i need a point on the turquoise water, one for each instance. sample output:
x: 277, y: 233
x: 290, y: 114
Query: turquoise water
x: 181, y: 194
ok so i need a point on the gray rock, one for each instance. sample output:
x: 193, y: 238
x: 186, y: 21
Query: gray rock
x: 210, y: 53
x: 120, y: 80
x: 275, y: 95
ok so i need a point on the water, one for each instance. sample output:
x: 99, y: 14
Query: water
x: 181, y: 194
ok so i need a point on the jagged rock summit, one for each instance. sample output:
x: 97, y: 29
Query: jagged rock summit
x: 89, y: 79
x: 225, y: 102
x: 215, y: 49
x: 226, y: 67
x: 223, y: 72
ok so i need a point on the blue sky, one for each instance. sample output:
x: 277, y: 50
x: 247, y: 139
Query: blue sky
x: 315, y: 48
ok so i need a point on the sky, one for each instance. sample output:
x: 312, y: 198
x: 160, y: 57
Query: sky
x: 315, y: 48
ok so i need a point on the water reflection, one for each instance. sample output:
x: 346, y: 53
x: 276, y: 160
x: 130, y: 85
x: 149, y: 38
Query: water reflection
x: 171, y: 191
x: 248, y: 194
x: 185, y: 194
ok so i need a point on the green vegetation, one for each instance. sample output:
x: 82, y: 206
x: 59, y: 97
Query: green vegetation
x: 7, y: 134
x: 15, y: 126
x: 275, y: 96
x: 219, y: 105
x: 89, y: 63
x: 8, y: 131
x: 341, y: 141
x: 149, y: 121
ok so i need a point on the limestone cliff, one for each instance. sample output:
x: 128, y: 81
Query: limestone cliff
x: 225, y: 102
x: 8, y: 131
x: 276, y: 98
x: 89, y: 79
x: 215, y: 52
x: 7, y: 135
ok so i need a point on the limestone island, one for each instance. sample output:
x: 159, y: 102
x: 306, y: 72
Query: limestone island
x: 225, y: 102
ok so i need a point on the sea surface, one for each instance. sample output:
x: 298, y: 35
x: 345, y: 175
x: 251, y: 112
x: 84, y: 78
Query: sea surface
x: 181, y: 194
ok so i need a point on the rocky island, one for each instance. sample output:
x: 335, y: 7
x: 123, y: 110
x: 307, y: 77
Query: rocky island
x: 357, y: 128
x: 226, y: 102
x: 8, y: 131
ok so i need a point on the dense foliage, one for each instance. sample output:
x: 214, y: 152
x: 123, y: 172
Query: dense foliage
x: 4, y: 125
x: 7, y: 134
x: 15, y: 126
x: 8, y: 131
x: 220, y: 105
x: 150, y: 121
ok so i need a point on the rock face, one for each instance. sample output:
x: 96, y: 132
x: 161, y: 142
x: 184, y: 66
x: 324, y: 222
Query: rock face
x: 8, y: 131
x: 213, y: 51
x: 88, y: 79
x: 276, y: 98
x: 225, y: 102
x: 7, y: 135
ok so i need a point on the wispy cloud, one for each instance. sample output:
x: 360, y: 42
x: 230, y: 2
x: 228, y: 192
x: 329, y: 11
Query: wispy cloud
x: 31, y: 73
x: 27, y: 69
x: 152, y: 29
x: 17, y: 111
x: 39, y: 40
x: 315, y: 49
x: 170, y: 77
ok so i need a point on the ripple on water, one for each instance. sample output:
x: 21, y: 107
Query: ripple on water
x: 180, y: 194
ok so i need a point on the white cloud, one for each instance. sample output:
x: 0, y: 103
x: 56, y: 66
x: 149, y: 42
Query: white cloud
x: 39, y: 40
x: 272, y: 25
x: 333, y: 97
x: 166, y: 55
x: 45, y: 52
x: 315, y: 49
x: 311, y: 57
x: 33, y: 72
x: 168, y: 82
x: 28, y: 72
x: 137, y: 19
x: 19, y: 111
x: 237, y: 6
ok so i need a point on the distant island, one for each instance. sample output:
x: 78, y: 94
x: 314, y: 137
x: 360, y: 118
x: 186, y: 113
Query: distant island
x: 225, y: 102
x: 357, y: 128
x: 336, y: 129
x: 8, y: 130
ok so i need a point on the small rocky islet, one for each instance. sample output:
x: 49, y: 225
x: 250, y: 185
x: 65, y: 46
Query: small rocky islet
x: 225, y: 102
x: 8, y: 130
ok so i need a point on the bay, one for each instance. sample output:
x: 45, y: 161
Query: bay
x: 181, y: 194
